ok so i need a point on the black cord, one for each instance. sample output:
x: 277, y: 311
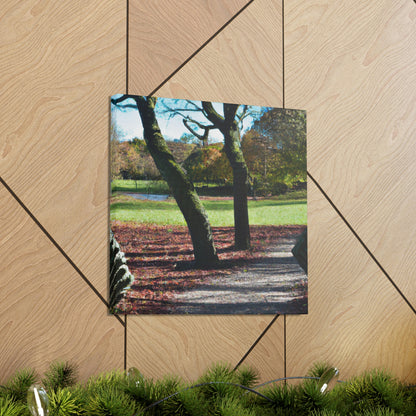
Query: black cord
x: 251, y: 390
x: 207, y: 384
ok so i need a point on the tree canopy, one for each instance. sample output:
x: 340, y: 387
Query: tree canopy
x: 286, y: 131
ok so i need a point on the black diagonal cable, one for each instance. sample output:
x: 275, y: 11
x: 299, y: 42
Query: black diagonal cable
x: 60, y: 249
x: 200, y: 48
x: 125, y: 342
x: 256, y: 341
x: 362, y: 242
x: 284, y: 347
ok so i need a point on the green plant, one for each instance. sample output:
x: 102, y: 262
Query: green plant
x: 60, y: 375
x: 247, y: 376
x: 373, y: 390
x: 220, y: 391
x: 324, y: 412
x: 147, y: 391
x: 18, y: 385
x: 186, y: 403
x: 234, y: 407
x: 283, y: 399
x: 9, y: 407
x: 378, y: 412
x: 111, y: 402
x: 309, y: 398
x: 63, y: 403
x: 217, y: 382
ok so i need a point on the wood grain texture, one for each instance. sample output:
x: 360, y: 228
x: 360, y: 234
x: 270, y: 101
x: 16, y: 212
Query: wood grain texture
x: 58, y: 67
x: 353, y: 68
x: 267, y: 357
x: 188, y: 345
x: 243, y: 64
x: 47, y: 312
x: 163, y: 34
x: 357, y: 320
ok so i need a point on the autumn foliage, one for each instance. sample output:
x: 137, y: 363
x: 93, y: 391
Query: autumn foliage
x: 160, y: 257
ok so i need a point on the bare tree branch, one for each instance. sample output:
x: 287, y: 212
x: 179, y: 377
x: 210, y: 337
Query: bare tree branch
x: 200, y: 125
x: 194, y: 105
x: 123, y: 106
x: 115, y: 101
x: 203, y: 137
x: 212, y: 115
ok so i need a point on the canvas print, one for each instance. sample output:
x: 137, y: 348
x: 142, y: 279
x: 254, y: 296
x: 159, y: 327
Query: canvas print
x: 208, y: 209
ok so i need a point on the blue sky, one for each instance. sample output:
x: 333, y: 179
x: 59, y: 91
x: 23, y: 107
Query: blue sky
x: 128, y: 123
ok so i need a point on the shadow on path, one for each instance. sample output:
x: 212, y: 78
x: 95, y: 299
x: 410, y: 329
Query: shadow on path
x: 274, y: 284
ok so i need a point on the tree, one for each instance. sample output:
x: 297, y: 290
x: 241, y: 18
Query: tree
x: 116, y: 161
x: 180, y: 186
x: 180, y: 151
x: 220, y: 170
x: 263, y: 162
x: 146, y: 167
x: 134, y: 165
x: 189, y: 138
x: 286, y: 128
x: 199, y: 162
x: 229, y: 125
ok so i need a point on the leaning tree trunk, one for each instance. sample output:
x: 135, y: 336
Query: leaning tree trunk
x: 182, y: 189
x: 240, y: 187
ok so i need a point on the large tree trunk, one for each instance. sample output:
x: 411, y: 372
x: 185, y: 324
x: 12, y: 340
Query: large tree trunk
x: 229, y: 128
x: 240, y: 187
x: 182, y: 189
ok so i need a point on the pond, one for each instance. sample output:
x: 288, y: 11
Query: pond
x: 150, y: 197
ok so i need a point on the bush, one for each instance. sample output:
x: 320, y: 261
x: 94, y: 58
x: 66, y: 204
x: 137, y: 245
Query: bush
x: 220, y: 391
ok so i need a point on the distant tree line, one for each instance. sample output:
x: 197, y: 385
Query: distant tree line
x: 274, y: 150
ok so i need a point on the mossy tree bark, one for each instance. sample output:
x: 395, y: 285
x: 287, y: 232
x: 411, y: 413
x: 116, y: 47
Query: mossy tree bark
x: 181, y: 188
x: 228, y: 125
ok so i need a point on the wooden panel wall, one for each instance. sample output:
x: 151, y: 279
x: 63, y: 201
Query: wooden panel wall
x: 351, y: 66
x: 59, y: 65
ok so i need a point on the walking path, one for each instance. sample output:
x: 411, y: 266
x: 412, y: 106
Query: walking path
x: 275, y: 284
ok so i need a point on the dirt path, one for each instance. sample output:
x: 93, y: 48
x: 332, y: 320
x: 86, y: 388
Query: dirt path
x: 274, y: 284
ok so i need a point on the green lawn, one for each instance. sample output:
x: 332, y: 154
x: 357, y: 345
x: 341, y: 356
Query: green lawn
x: 220, y: 213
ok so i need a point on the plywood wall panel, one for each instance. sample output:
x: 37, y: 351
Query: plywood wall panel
x: 356, y: 319
x: 47, y: 312
x: 351, y: 66
x: 162, y: 35
x: 243, y: 64
x: 59, y: 65
x: 267, y: 356
x: 188, y: 345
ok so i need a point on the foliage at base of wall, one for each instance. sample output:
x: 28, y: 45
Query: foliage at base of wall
x: 221, y: 391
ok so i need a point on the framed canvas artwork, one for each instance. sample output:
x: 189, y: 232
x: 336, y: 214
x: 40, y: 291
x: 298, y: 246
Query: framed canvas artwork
x: 208, y: 209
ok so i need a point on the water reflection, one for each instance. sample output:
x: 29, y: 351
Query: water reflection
x: 150, y: 197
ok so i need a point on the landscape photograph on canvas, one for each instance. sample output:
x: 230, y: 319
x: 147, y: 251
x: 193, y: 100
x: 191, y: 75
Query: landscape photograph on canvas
x: 208, y: 208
